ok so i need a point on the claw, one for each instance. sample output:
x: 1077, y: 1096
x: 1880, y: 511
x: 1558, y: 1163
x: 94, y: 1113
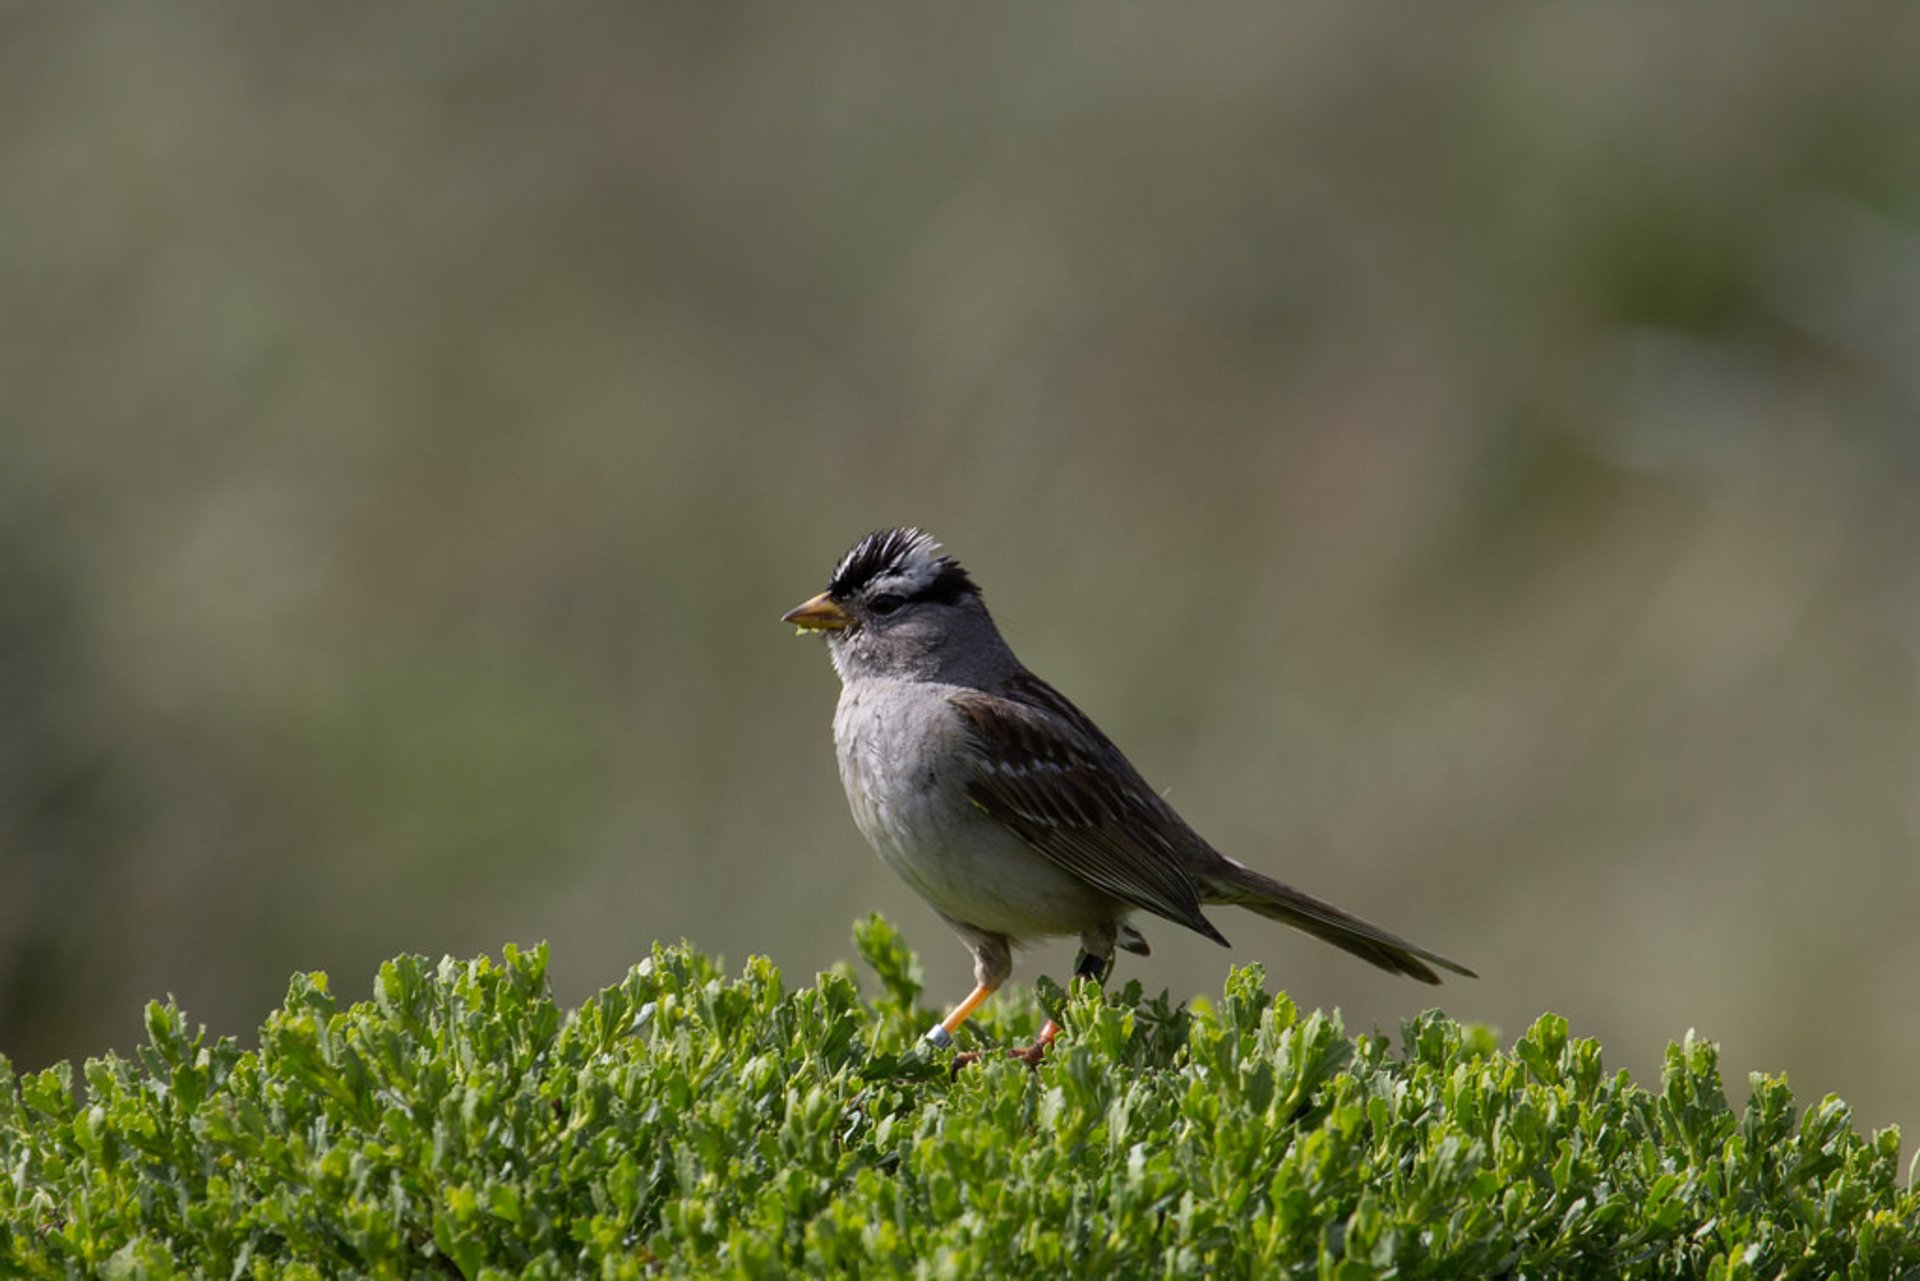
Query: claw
x: 1031, y: 1055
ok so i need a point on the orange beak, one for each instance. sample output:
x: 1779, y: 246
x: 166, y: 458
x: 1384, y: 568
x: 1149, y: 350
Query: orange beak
x: 818, y: 615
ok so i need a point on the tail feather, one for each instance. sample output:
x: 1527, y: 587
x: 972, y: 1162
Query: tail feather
x: 1241, y: 886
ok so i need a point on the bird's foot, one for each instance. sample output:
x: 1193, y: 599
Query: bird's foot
x: 1032, y: 1054
x: 1027, y: 1054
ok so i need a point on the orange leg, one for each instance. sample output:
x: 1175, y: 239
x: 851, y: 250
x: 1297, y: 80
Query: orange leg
x: 1088, y: 966
x: 1038, y: 1050
x: 941, y: 1033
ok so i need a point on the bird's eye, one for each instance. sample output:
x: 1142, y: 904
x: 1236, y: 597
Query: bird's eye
x: 885, y: 603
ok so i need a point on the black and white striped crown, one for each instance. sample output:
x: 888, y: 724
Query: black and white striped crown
x: 905, y: 561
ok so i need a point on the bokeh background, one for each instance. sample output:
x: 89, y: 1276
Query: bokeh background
x: 1470, y: 461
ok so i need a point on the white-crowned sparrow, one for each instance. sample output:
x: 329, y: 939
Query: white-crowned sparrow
x: 1001, y: 803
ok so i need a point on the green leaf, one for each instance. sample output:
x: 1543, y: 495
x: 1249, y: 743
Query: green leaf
x: 690, y: 1121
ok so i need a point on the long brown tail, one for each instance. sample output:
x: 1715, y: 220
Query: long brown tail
x: 1235, y: 883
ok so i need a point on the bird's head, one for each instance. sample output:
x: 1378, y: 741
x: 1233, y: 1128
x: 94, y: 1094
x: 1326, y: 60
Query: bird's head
x: 897, y: 605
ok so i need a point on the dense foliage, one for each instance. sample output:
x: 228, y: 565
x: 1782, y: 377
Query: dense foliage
x: 685, y: 1121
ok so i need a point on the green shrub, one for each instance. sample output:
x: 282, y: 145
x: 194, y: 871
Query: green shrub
x: 685, y: 1121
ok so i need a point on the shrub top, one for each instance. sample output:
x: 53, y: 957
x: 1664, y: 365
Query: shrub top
x: 688, y: 1122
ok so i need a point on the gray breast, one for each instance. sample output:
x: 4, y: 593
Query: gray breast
x: 902, y: 760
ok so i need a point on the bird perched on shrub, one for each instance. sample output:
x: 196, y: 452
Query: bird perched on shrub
x: 1002, y: 804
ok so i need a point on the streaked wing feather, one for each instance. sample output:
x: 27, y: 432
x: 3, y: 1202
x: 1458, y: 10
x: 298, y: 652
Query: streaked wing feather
x: 1050, y: 775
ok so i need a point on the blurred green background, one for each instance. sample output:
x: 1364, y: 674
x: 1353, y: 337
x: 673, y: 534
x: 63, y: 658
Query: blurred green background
x: 1471, y: 462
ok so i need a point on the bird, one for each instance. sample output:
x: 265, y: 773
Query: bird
x: 1003, y: 805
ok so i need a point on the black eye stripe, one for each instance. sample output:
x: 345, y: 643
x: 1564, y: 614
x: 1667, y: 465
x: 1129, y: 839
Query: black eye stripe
x: 947, y: 589
x: 944, y: 590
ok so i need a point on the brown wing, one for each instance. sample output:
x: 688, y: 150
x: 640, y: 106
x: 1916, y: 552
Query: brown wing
x: 1047, y: 772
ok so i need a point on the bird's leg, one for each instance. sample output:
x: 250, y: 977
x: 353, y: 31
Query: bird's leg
x: 1089, y: 966
x: 992, y: 965
x: 941, y: 1033
x: 1085, y: 966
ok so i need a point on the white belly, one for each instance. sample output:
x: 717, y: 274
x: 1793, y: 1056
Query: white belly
x: 916, y: 813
